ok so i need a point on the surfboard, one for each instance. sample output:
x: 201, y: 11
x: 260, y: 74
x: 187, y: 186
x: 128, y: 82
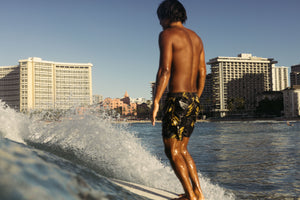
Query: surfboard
x: 151, y: 193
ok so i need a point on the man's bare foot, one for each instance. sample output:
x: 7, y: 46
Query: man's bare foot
x: 181, y: 198
x: 182, y: 195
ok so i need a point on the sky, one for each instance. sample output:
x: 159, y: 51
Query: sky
x: 120, y: 37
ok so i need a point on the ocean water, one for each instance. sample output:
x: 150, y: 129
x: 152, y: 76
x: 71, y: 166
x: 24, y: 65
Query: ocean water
x: 77, y: 157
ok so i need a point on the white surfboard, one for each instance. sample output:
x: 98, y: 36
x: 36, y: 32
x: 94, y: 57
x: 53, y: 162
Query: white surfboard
x: 151, y: 193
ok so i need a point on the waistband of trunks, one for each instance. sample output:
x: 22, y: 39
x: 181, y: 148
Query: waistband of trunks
x: 180, y: 94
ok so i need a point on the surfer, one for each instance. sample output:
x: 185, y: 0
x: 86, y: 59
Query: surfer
x: 182, y: 67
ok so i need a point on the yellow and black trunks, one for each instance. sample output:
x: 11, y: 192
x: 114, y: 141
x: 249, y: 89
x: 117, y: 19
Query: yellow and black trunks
x: 180, y: 114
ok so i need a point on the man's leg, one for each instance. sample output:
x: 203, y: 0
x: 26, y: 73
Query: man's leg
x: 193, y: 174
x: 173, y: 151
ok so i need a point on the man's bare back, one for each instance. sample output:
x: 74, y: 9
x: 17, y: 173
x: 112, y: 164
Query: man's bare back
x: 186, y: 50
x: 182, y: 62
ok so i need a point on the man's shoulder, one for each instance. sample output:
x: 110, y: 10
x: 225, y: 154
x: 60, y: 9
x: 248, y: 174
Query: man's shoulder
x: 179, y: 31
x: 172, y: 33
x: 167, y: 32
x: 191, y: 32
x: 167, y: 35
x: 195, y: 37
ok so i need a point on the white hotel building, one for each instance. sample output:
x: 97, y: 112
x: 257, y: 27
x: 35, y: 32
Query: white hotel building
x: 238, y: 80
x: 36, y: 84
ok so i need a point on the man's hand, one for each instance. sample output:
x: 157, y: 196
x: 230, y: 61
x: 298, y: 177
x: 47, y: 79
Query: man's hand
x: 154, y: 112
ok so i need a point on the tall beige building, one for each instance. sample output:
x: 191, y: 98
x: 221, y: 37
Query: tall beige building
x: 279, y: 78
x: 53, y: 85
x: 237, y: 80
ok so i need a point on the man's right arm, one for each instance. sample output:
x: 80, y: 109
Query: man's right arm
x: 164, y: 71
x: 201, y: 72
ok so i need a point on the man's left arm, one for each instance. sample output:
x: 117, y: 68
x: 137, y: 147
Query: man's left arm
x: 201, y: 73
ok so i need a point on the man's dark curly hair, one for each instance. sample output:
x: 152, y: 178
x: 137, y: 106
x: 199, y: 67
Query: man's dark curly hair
x: 172, y: 10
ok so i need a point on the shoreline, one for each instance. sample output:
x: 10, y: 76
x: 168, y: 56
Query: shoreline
x: 216, y: 120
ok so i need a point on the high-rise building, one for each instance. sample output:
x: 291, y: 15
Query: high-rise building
x: 206, y: 97
x: 279, y: 78
x: 291, y: 101
x: 10, y: 85
x: 295, y: 75
x: 51, y: 85
x: 237, y: 80
x: 164, y: 96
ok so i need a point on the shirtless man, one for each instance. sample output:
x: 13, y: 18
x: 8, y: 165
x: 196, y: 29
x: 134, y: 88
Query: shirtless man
x: 182, y: 67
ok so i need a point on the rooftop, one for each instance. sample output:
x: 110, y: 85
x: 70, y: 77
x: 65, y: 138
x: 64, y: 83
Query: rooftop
x: 243, y: 57
x: 36, y: 59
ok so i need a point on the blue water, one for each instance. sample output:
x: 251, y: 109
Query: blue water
x: 253, y: 160
x: 76, y: 158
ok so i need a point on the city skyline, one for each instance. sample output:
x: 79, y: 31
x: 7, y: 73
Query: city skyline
x: 120, y: 37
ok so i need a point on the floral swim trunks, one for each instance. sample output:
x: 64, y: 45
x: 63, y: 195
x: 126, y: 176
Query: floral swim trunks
x: 180, y: 114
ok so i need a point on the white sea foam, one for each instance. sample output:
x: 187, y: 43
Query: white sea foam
x: 12, y: 124
x: 110, y: 150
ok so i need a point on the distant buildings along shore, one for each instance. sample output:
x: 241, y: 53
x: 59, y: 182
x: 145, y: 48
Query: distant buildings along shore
x: 236, y: 86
